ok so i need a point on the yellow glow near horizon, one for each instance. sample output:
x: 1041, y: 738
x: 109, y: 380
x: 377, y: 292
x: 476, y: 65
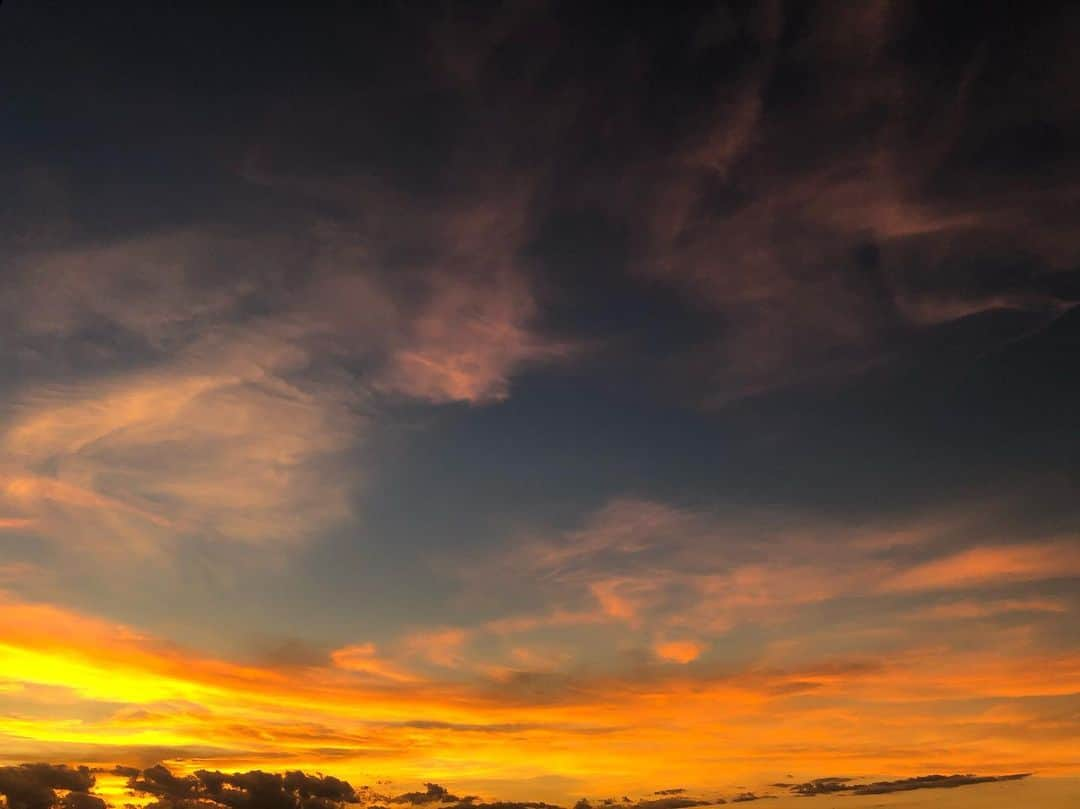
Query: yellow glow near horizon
x: 122, y: 692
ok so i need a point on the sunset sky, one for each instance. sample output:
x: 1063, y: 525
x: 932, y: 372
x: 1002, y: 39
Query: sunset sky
x: 541, y: 401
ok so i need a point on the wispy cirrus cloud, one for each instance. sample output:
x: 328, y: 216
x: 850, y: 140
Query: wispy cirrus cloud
x: 217, y: 441
x: 683, y: 576
x: 992, y: 564
x: 187, y: 383
x: 826, y: 254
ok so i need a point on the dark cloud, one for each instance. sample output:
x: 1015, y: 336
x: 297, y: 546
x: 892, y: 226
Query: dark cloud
x: 433, y: 793
x: 158, y: 780
x: 933, y: 782
x: 819, y: 786
x: 835, y: 784
x: 824, y: 254
x: 81, y: 800
x: 511, y: 805
x: 734, y: 201
x: 249, y: 790
x: 672, y: 799
x: 671, y: 803
x: 33, y: 786
x: 816, y: 181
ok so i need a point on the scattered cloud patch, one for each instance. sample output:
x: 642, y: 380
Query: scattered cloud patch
x: 433, y: 793
x: 837, y: 784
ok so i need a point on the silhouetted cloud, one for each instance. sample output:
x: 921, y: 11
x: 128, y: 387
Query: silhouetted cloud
x: 33, y: 786
x: 933, y: 782
x: 671, y: 803
x: 835, y: 784
x: 254, y: 789
x: 434, y: 793
x: 81, y: 800
x: 511, y: 805
x: 819, y: 786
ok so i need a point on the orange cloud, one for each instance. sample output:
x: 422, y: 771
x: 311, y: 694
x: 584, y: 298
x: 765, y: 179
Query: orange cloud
x: 990, y: 565
x: 218, y: 441
x: 363, y: 658
x: 125, y: 691
x: 444, y: 647
x: 468, y: 341
x: 619, y: 598
x: 985, y: 609
x: 678, y: 651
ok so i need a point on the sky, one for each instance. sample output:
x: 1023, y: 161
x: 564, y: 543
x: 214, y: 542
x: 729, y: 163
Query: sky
x: 463, y: 404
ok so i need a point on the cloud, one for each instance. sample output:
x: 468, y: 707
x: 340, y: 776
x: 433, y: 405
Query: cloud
x: 432, y: 291
x: 801, y: 193
x: 466, y: 342
x: 824, y: 255
x: 677, y: 571
x: 364, y: 658
x: 81, y: 800
x: 973, y: 609
x: 158, y: 780
x: 932, y: 782
x: 508, y: 805
x: 33, y: 786
x: 443, y: 647
x: 672, y: 802
x: 831, y: 785
x: 818, y: 786
x: 433, y: 793
x: 159, y: 288
x: 254, y: 789
x: 992, y: 564
x: 219, y: 383
x: 678, y: 651
x: 223, y: 441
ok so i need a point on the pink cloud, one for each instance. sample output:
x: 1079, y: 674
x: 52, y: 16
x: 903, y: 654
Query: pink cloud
x: 467, y: 341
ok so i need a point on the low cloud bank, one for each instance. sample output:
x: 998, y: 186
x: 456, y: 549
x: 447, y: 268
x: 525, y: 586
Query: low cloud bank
x: 59, y: 786
x: 840, y: 784
x: 34, y: 786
